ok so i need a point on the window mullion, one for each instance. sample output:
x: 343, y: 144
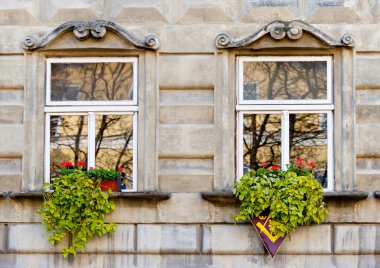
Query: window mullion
x: 284, y: 139
x: 91, y: 140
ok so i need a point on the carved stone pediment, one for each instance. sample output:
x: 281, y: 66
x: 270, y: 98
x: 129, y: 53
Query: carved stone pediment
x: 96, y: 30
x: 284, y: 30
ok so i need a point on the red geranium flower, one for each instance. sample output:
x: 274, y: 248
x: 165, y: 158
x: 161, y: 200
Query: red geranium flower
x: 81, y: 163
x: 263, y: 164
x: 275, y: 168
x: 310, y: 164
x: 121, y: 169
x: 91, y: 168
x: 299, y: 161
x: 66, y: 164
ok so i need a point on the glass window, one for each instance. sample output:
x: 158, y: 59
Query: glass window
x: 274, y: 124
x: 81, y: 127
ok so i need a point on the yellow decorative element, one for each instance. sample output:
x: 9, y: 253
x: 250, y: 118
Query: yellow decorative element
x: 267, y: 233
x: 262, y: 217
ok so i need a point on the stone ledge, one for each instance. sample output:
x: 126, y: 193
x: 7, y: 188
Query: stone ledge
x: 149, y: 196
x: 228, y: 198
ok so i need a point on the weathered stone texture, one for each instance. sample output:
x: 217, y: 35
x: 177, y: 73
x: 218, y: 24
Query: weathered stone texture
x: 308, y: 240
x: 231, y: 239
x: 31, y: 238
x: 355, y: 239
x: 185, y: 208
x: 267, y: 14
x: 3, y: 238
x: 11, y: 139
x: 146, y: 15
x: 186, y: 140
x: 187, y: 71
x: 12, y: 70
x: 365, y: 76
x: 11, y: 97
x: 185, y: 175
x: 56, y: 11
x: 185, y: 183
x: 122, y: 241
x: 207, y: 261
x: 187, y: 96
x: 368, y: 140
x: 167, y: 238
x: 180, y: 114
x: 11, y: 114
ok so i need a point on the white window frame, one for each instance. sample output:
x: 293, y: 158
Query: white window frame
x: 91, y: 60
x: 284, y: 108
x: 91, y: 108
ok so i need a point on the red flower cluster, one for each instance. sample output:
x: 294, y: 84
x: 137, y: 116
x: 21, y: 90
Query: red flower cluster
x: 66, y: 164
x: 81, y: 163
x: 310, y: 164
x: 274, y: 168
x: 263, y: 164
x: 120, y: 169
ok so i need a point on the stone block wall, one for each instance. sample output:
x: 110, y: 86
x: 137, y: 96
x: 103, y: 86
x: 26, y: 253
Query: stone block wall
x: 190, y: 96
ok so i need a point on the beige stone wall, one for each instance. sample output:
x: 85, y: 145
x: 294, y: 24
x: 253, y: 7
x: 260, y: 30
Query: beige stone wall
x: 187, y: 131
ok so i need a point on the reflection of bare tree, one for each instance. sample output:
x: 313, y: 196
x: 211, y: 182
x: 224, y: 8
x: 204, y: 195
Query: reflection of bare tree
x: 92, y: 81
x: 307, y: 132
x: 287, y: 80
x: 114, y: 133
x: 71, y: 136
x: 262, y: 132
x: 113, y: 142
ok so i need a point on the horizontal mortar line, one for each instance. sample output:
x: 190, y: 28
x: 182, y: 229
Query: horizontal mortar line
x: 188, y: 174
x: 204, y: 126
x: 184, y: 88
x: 13, y: 87
x: 368, y: 172
x: 192, y: 53
x: 368, y: 87
x: 181, y: 104
x: 13, y: 53
x: 10, y: 155
x: 369, y: 54
x: 185, y: 156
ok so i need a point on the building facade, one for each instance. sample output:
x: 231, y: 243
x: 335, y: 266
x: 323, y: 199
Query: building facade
x: 183, y: 126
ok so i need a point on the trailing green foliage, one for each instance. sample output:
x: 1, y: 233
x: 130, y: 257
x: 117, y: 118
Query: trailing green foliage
x: 76, y: 206
x: 293, y: 198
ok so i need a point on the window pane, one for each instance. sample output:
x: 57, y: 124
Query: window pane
x: 308, y: 140
x: 68, y: 140
x: 114, y: 144
x: 91, y: 81
x: 285, y: 80
x: 261, y: 140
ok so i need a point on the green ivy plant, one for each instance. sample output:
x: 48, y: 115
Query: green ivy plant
x: 75, y: 205
x: 292, y: 197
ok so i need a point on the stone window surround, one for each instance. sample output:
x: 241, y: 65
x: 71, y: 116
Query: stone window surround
x: 61, y: 44
x: 275, y: 39
x: 91, y: 108
x: 283, y: 109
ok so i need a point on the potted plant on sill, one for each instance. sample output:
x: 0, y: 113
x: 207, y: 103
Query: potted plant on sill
x: 278, y: 201
x: 74, y: 204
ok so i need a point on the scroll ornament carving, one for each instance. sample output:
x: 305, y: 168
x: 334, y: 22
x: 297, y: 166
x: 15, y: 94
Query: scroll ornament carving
x: 279, y: 30
x: 97, y: 29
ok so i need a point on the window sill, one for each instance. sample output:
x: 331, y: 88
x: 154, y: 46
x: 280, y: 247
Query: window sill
x: 228, y: 198
x: 146, y: 196
x: 377, y: 194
